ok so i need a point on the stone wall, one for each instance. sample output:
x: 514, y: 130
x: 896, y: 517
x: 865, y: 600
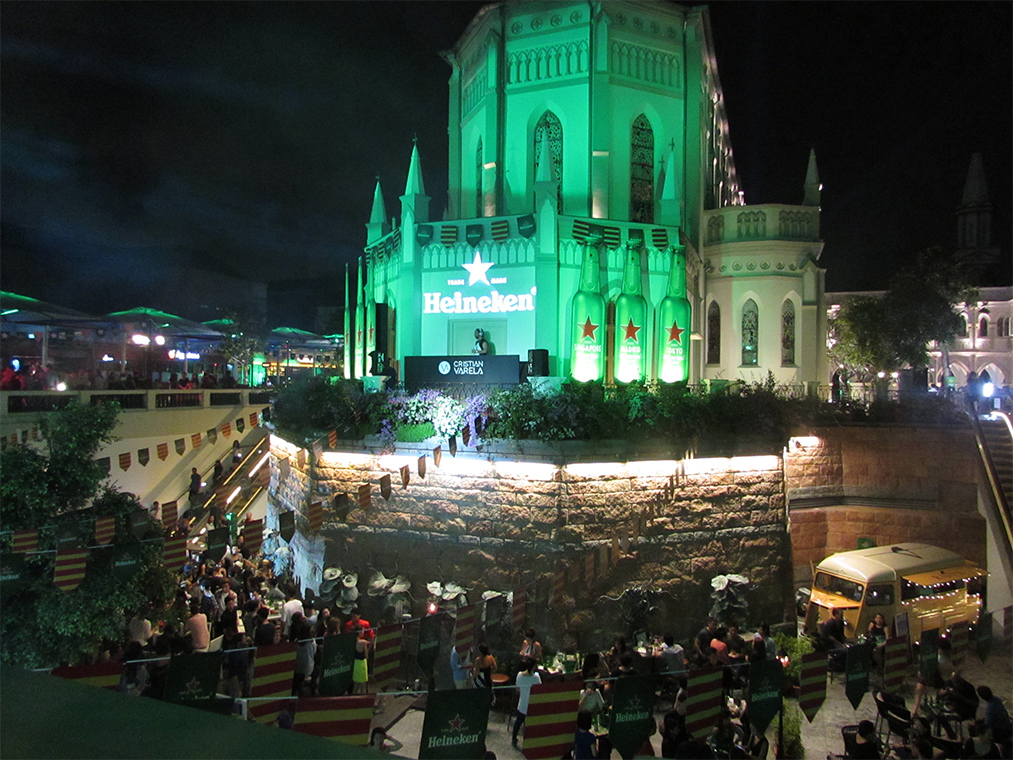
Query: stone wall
x: 492, y: 521
x: 888, y: 483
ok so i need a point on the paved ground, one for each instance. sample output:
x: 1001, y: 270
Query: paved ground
x: 820, y: 738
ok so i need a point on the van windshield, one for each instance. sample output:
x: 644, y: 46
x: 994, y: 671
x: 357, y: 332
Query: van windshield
x: 834, y: 584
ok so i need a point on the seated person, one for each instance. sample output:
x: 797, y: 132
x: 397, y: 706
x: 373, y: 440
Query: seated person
x: 980, y: 743
x: 996, y: 717
x: 866, y: 745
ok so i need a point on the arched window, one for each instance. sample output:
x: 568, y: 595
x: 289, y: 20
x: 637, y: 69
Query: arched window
x: 963, y: 326
x: 479, y: 171
x: 750, y: 333
x: 642, y: 171
x: 714, y: 333
x: 788, y: 333
x: 983, y: 327
x: 549, y: 124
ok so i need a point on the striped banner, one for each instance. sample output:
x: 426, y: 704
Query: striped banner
x: 703, y: 701
x: 464, y: 631
x: 227, y: 429
x: 344, y: 719
x: 365, y: 496
x: 581, y: 230
x: 958, y: 644
x: 558, y: 587
x: 253, y: 535
x: 519, y: 611
x: 406, y: 476
x: 26, y: 541
x: 105, y: 530
x: 254, y: 419
x: 170, y: 515
x: 500, y: 230
x: 448, y: 235
x: 71, y: 565
x: 318, y: 451
x: 552, y: 714
x: 659, y: 238
x: 422, y: 466
x: 272, y: 677
x: 195, y: 441
x: 105, y: 675
x: 895, y: 662
x: 385, y: 486
x: 812, y: 681
x: 125, y: 461
x: 332, y: 439
x: 387, y: 655
x: 174, y: 553
x: 1007, y: 624
x: 613, y: 236
x: 162, y: 450
x: 315, y: 515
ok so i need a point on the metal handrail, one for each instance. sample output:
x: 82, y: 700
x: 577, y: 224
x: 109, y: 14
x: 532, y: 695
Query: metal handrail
x: 994, y: 484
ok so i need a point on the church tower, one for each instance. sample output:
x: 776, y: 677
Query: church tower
x: 974, y: 222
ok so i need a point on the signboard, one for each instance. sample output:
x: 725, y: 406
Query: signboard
x: 425, y: 371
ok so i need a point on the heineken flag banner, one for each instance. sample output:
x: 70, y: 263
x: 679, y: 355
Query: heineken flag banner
x: 549, y: 725
x: 212, y: 435
x: 500, y: 230
x: 193, y: 677
x: 422, y: 467
x: 455, y: 724
x: 286, y: 524
x: 385, y: 486
x: 105, y: 675
x: 429, y: 642
x: 127, y: 561
x: 632, y: 714
x: 174, y: 553
x: 812, y: 680
x: 473, y: 233
x: 315, y: 516
x: 423, y: 234
x: 765, y: 682
x: 253, y: 535
x: 856, y: 673
x: 254, y: 418
x: 195, y: 441
x: 452, y: 445
x: 227, y: 429
x: 162, y: 450
x: 342, y: 506
x: 105, y: 530
x: 466, y: 435
x: 180, y: 444
x: 318, y: 451
x: 125, y: 461
x: 12, y: 567
x: 448, y: 235
x: 140, y: 522
x: 26, y: 541
x: 703, y: 701
x: 218, y: 540
x: 405, y: 476
x: 71, y: 565
x: 170, y: 515
x: 464, y: 631
x: 365, y: 497
x: 344, y: 719
x: 387, y: 655
x: 272, y: 678
x: 983, y: 639
x: 958, y: 644
x: 300, y: 458
x: 929, y: 654
x: 336, y: 664
x: 894, y: 662
x: 240, y: 424
x: 526, y: 225
x: 332, y: 439
x: 519, y: 610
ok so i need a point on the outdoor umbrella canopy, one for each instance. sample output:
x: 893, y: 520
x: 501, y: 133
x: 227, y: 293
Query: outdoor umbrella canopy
x: 31, y: 311
x: 143, y: 317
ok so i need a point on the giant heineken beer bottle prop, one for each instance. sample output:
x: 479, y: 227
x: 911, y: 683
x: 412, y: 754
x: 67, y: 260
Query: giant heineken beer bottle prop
x: 587, y: 359
x: 673, y: 333
x: 360, y: 327
x: 630, y: 354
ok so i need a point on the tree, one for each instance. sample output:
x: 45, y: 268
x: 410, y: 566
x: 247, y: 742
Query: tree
x: 872, y: 334
x: 244, y: 336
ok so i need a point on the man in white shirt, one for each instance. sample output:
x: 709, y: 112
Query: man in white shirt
x: 292, y: 606
x: 525, y: 680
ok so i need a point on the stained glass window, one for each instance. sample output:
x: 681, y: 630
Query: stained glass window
x: 642, y: 171
x: 714, y: 333
x: 750, y: 333
x: 479, y: 204
x: 553, y: 130
x: 788, y: 333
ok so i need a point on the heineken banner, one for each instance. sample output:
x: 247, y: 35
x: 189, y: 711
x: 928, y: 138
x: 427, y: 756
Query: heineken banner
x: 344, y: 719
x: 812, y: 681
x: 429, y: 642
x: 548, y: 727
x: 387, y: 655
x: 455, y: 724
x: 218, y: 541
x: 958, y: 644
x: 105, y: 675
x: 856, y: 673
x: 286, y: 524
x: 894, y: 662
x: 272, y: 678
x: 127, y: 561
x: 704, y: 701
x: 12, y: 568
x: 336, y: 663
x: 423, y: 234
x: 928, y: 657
x: 765, y: 681
x: 632, y: 713
x: 526, y: 225
x: 193, y: 677
x: 983, y: 639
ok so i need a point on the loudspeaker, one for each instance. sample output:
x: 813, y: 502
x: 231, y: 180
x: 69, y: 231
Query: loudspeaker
x: 538, y: 362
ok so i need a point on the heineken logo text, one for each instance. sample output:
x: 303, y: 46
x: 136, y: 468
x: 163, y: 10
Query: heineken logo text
x: 454, y: 741
x: 494, y: 303
x: 629, y: 717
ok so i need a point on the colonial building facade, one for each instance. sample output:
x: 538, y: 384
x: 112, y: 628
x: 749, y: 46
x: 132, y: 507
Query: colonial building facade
x: 593, y: 136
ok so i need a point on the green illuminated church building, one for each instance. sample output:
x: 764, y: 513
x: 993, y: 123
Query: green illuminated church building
x: 594, y: 212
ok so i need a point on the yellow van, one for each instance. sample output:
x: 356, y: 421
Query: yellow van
x: 935, y: 587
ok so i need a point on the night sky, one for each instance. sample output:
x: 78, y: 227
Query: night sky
x: 246, y: 137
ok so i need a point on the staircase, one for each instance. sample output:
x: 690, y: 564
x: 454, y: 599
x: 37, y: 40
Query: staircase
x: 999, y: 444
x: 994, y: 437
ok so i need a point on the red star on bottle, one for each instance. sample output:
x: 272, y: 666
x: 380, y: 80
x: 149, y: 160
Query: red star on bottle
x: 587, y: 329
x: 675, y: 332
x: 631, y: 331
x: 457, y: 723
x: 371, y: 333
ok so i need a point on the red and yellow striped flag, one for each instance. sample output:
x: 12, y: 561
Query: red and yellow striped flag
x: 174, y: 553
x: 464, y: 631
x: 254, y: 419
x: 387, y: 655
x: 894, y: 662
x: 195, y: 441
x: 26, y: 541
x: 703, y: 701
x: 170, y: 514
x: 253, y: 535
x: 125, y: 461
x: 958, y: 644
x: 272, y: 678
x: 105, y: 530
x: 227, y: 429
x: 519, y: 610
x: 315, y: 516
x: 812, y: 682
x: 552, y: 714
x: 332, y: 439
x: 71, y: 565
x: 344, y: 719
x: 162, y: 450
x: 105, y: 675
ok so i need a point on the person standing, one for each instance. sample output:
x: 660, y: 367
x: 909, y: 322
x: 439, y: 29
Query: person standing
x: 360, y: 670
x: 460, y: 666
x: 526, y: 678
x: 291, y: 606
x: 485, y: 663
x: 195, y: 485
x: 531, y: 648
x: 197, y: 629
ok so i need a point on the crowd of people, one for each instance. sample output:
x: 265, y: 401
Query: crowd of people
x: 36, y: 377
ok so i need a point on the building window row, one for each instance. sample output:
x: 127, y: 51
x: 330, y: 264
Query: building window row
x: 750, y: 333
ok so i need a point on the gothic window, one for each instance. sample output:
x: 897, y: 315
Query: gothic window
x: 642, y: 171
x: 479, y: 204
x: 788, y: 333
x: 549, y: 125
x: 714, y: 333
x: 963, y: 326
x: 750, y: 333
x: 983, y: 328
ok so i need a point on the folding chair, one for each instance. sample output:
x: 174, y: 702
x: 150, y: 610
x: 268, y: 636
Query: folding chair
x: 897, y: 726
x: 848, y: 734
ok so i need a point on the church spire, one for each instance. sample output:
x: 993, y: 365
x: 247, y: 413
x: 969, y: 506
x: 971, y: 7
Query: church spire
x: 974, y: 222
x: 377, y: 226
x: 415, y: 186
x: 414, y: 202
x: 975, y: 189
x: 669, y: 204
x: 812, y: 182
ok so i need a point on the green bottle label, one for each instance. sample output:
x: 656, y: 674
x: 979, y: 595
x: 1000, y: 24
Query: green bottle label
x: 673, y: 325
x: 631, y: 336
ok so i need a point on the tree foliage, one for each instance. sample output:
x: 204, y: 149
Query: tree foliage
x: 244, y: 336
x: 872, y: 334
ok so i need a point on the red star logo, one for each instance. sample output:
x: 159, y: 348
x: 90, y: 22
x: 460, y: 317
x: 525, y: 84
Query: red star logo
x: 457, y: 723
x: 193, y: 686
x: 587, y: 329
x: 358, y: 336
x: 631, y: 331
x: 675, y: 332
x: 371, y: 333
